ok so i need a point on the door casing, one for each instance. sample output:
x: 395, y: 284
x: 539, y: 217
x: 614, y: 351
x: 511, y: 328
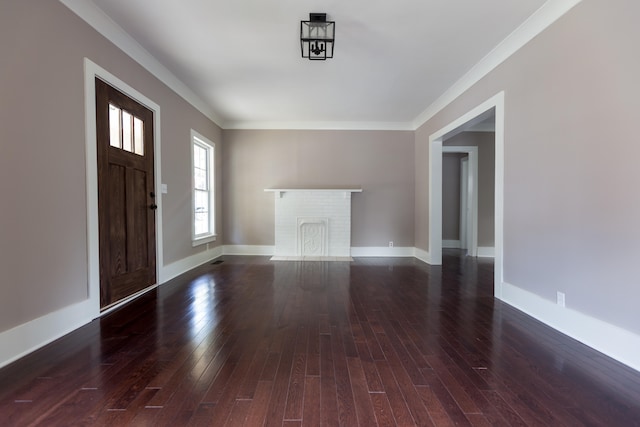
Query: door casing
x: 465, y: 196
x: 496, y: 105
x: 91, y: 71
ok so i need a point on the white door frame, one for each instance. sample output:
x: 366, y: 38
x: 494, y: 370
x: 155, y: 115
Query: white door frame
x: 495, y: 103
x: 471, y: 196
x: 91, y: 71
x: 464, y: 203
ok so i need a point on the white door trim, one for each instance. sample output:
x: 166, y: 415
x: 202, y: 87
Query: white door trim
x: 91, y: 71
x: 472, y: 196
x: 435, y: 184
x: 464, y: 203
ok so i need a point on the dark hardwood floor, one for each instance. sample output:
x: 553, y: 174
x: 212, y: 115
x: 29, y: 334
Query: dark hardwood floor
x: 377, y: 341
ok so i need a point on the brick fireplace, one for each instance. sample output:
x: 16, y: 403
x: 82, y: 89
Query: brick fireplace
x: 313, y: 224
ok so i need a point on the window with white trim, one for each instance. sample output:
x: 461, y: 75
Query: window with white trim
x: 203, y: 218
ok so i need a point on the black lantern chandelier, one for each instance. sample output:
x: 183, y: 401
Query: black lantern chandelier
x: 317, y: 37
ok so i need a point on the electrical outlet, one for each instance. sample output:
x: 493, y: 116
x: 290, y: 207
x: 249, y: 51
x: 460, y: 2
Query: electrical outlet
x: 560, y: 299
x: 391, y: 244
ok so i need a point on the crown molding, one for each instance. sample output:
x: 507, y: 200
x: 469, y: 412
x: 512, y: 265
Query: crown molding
x: 546, y: 15
x: 534, y: 25
x: 311, y: 125
x: 96, y: 18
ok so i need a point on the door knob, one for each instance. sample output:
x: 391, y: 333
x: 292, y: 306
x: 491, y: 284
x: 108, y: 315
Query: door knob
x: 153, y: 206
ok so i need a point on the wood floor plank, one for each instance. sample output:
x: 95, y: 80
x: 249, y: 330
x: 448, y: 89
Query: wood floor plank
x: 401, y: 413
x: 372, y: 342
x: 313, y: 348
x: 382, y: 409
x: 239, y: 413
x: 295, y: 394
x: 363, y: 405
x: 448, y: 402
x: 374, y: 384
x: 270, y: 367
x: 466, y: 404
x: 507, y: 412
x: 118, y: 418
x: 259, y: 404
x: 478, y: 420
x: 253, y: 375
x: 344, y: 391
x: 275, y: 412
x: 434, y: 406
x: 311, y: 408
x: 375, y: 341
x: 395, y: 352
x: 328, y: 396
x: 225, y: 402
x: 406, y: 382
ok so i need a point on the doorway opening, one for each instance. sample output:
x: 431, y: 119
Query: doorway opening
x: 492, y: 111
x: 460, y: 198
x: 94, y: 308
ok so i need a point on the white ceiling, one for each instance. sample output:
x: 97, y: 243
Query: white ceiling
x: 392, y: 59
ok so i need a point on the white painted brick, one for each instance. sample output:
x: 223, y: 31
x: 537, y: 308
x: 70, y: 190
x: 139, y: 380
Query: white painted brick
x: 335, y: 206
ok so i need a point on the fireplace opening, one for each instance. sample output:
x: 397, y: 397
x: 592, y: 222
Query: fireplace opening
x: 313, y: 237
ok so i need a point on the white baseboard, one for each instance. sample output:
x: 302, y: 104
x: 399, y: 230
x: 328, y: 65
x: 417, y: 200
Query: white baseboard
x: 382, y: 251
x: 177, y: 268
x: 422, y: 255
x: 483, y: 251
x: 249, y: 250
x: 28, y: 337
x: 368, y: 251
x: 615, y: 342
x: 451, y: 244
x: 486, y: 251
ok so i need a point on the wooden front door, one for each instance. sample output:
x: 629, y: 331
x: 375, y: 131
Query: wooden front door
x: 126, y: 195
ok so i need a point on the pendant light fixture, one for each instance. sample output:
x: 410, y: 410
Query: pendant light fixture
x: 317, y: 37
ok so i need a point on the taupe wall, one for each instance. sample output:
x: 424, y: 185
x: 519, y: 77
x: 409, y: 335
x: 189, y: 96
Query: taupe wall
x: 43, y: 223
x: 379, y: 162
x: 485, y: 141
x: 571, y: 209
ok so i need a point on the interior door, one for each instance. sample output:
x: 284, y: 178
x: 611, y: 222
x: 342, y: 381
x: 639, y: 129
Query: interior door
x: 126, y: 195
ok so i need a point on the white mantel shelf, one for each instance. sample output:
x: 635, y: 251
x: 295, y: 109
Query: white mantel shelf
x: 280, y: 191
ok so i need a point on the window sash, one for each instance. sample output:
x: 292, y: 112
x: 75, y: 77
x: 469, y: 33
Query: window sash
x: 203, y: 213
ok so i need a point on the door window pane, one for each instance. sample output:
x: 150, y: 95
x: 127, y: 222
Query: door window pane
x: 127, y: 131
x: 115, y: 133
x: 138, y: 136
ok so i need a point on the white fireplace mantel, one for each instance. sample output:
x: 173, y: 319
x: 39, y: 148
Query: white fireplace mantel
x: 313, y: 223
x: 280, y: 191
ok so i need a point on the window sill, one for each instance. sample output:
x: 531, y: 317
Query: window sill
x: 203, y: 240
